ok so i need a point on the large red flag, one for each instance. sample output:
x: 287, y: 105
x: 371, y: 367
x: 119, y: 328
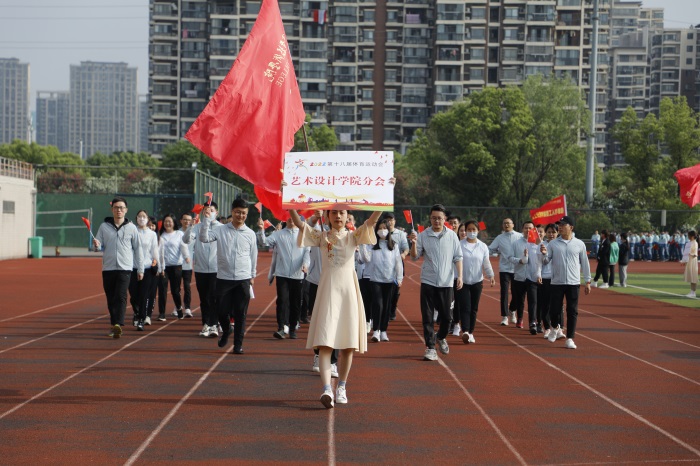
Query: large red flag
x: 689, y: 183
x: 550, y: 212
x: 250, y: 121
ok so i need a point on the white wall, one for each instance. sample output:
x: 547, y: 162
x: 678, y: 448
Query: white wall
x: 17, y: 227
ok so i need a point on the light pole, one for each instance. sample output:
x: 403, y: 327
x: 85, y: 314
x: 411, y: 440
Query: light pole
x: 592, y: 102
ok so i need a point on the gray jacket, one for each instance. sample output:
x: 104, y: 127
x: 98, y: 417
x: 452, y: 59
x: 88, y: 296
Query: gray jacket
x: 121, y: 246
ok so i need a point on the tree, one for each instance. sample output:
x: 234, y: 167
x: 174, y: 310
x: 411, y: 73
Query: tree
x: 681, y: 132
x: 640, y: 144
x: 321, y: 138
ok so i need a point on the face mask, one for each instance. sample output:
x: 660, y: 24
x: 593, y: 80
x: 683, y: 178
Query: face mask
x: 212, y: 215
x: 382, y: 233
x: 142, y: 221
x: 472, y: 234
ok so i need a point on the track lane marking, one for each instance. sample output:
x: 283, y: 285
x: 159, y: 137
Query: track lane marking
x: 52, y: 307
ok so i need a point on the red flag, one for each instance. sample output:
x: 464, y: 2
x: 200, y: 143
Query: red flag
x: 550, y: 212
x: 533, y: 236
x: 197, y: 209
x: 421, y: 228
x: 258, y: 205
x: 87, y: 223
x: 688, y: 182
x: 209, y: 196
x: 250, y: 121
x: 448, y: 226
x: 409, y: 216
x: 160, y: 225
x: 482, y: 226
x: 267, y: 224
x: 350, y: 226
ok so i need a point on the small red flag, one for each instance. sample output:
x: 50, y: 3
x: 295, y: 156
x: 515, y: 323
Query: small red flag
x: 421, y: 228
x: 482, y: 226
x: 409, y: 216
x: 197, y: 209
x: 258, y: 205
x: 160, y: 225
x: 210, y: 196
x: 350, y: 226
x: 267, y: 224
x: 250, y: 121
x: 448, y: 226
x: 689, y: 182
x: 87, y: 223
x: 533, y: 236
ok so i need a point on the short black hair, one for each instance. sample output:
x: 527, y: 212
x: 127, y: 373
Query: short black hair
x: 389, y: 215
x: 553, y: 226
x: 239, y: 203
x: 452, y: 217
x: 119, y: 199
x: 438, y: 208
x: 190, y: 213
x: 215, y: 205
x: 470, y: 222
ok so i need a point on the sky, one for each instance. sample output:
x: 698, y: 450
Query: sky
x: 51, y: 35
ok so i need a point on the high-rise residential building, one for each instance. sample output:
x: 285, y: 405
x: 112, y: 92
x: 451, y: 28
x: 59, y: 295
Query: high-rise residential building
x: 52, y: 117
x: 674, y: 65
x: 103, y: 108
x: 14, y: 101
x: 373, y: 70
x: 143, y: 123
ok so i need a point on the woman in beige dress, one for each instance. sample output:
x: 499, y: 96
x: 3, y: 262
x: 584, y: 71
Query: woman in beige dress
x: 690, y: 257
x: 338, y: 318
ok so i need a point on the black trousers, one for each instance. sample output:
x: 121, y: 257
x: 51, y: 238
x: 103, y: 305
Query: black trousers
x: 206, y: 287
x: 366, y: 292
x: 173, y: 275
x: 382, y: 294
x: 187, y: 286
x: 232, y: 298
x: 139, y: 292
x: 116, y: 283
x: 305, y: 310
x: 313, y: 290
x: 505, y: 279
x: 467, y: 300
x: 601, y: 269
x: 544, y: 293
x: 456, y: 311
x: 288, y: 302
x: 611, y: 273
x: 153, y: 289
x: 396, y: 294
x: 431, y: 298
x: 570, y: 292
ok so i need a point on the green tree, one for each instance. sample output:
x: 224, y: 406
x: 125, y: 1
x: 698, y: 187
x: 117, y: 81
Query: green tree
x: 640, y: 142
x: 320, y: 138
x: 681, y: 132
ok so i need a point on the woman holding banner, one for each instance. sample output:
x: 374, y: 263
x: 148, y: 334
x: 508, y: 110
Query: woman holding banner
x: 338, y: 317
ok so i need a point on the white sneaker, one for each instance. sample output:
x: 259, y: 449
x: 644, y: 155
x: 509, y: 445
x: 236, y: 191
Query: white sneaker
x: 546, y: 333
x: 334, y: 371
x: 444, y: 347
x: 286, y: 329
x: 174, y: 313
x: 205, y: 331
x: 471, y: 338
x: 368, y: 327
x: 341, y: 395
x: 376, y: 336
x: 624, y: 285
x: 147, y: 321
x: 604, y: 285
x: 383, y: 336
x: 188, y: 313
x: 430, y: 354
x: 560, y: 333
x: 214, y: 331
x: 570, y: 343
x: 691, y: 294
x: 327, y: 399
x: 457, y: 331
x: 552, y: 337
x: 315, y: 367
x: 468, y: 338
x: 298, y: 326
x: 594, y: 284
x: 513, y: 317
x: 504, y: 321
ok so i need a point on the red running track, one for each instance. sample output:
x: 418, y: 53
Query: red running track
x: 629, y: 394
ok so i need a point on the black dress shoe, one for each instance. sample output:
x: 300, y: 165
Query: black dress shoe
x: 223, y: 339
x: 292, y: 335
x: 539, y: 328
x: 279, y: 334
x: 238, y: 350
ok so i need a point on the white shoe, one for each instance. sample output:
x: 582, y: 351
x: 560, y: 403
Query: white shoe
x: 334, y: 371
x: 624, y: 285
x: 376, y: 336
x: 471, y: 338
x: 560, y: 333
x: 147, y: 321
x: 691, y: 294
x: 315, y: 367
x: 444, y: 347
x: 513, y: 317
x: 504, y: 321
x: 327, y: 399
x: 430, y: 354
x: 604, y: 285
x: 435, y: 315
x: 174, y: 313
x: 368, y: 327
x: 546, y: 333
x: 298, y: 326
x: 341, y: 395
x: 214, y: 331
x: 468, y: 338
x: 594, y: 284
x: 383, y: 336
x: 188, y: 313
x: 205, y: 331
x: 286, y: 329
x: 552, y: 337
x: 457, y: 331
x: 570, y: 343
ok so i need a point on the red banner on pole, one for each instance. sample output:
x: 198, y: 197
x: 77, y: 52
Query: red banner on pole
x: 409, y: 216
x: 550, y: 212
x: 689, y: 183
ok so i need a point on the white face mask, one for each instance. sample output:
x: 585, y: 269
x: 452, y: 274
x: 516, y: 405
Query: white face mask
x: 472, y: 234
x: 142, y: 221
x: 212, y: 215
x: 382, y: 233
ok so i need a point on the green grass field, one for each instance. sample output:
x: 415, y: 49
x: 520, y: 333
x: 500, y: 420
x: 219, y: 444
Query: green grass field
x: 659, y: 287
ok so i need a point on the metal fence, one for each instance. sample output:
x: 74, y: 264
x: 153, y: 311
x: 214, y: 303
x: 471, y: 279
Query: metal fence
x: 224, y: 192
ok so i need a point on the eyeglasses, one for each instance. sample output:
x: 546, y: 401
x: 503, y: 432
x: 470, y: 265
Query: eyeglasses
x: 436, y: 219
x: 240, y: 213
x: 118, y: 207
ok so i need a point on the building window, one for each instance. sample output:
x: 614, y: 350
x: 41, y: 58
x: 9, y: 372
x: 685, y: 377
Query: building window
x: 8, y: 207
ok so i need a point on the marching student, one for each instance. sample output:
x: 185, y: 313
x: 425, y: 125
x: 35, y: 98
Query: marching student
x: 544, y: 294
x: 237, y: 256
x: 140, y: 290
x: 401, y: 240
x: 119, y: 239
x: 526, y: 277
x: 503, y: 246
x: 153, y: 289
x: 690, y: 260
x: 185, y: 222
x: 173, y: 252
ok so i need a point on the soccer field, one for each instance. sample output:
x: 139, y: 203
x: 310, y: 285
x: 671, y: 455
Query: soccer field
x: 667, y: 288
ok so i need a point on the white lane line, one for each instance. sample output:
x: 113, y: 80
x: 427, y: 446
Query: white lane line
x: 52, y: 307
x: 659, y: 291
x: 54, y: 333
x: 146, y: 443
x: 481, y: 410
x: 331, y: 437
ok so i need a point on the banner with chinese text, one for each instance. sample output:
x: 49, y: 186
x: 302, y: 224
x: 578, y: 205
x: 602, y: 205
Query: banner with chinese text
x: 357, y: 180
x: 550, y: 212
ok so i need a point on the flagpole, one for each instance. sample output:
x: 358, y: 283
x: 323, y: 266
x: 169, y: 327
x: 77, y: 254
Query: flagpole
x: 306, y: 139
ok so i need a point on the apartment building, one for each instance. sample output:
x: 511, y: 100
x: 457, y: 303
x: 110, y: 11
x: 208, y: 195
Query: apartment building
x: 674, y: 66
x: 52, y: 117
x: 14, y: 101
x: 103, y: 108
x: 375, y: 71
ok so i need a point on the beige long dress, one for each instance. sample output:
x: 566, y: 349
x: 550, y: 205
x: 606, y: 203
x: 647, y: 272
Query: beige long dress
x: 691, y: 267
x: 338, y: 318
